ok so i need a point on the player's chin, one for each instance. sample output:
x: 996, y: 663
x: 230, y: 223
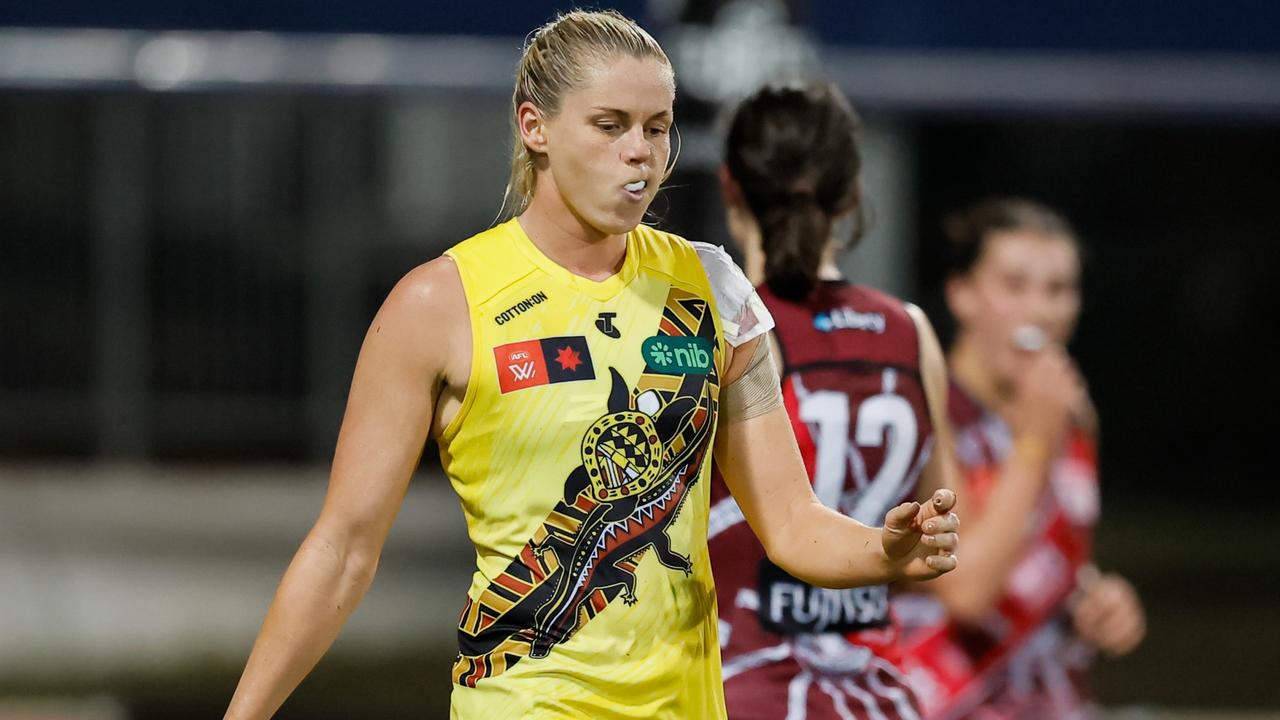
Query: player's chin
x: 624, y: 217
x: 1009, y: 363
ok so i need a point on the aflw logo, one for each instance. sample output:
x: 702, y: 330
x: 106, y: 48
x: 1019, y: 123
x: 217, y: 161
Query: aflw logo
x: 523, y: 372
x: 544, y: 361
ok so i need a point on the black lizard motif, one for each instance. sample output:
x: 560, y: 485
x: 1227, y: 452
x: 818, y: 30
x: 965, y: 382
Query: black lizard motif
x: 640, y: 461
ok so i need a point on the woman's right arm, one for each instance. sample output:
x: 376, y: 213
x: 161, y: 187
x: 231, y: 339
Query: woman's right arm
x: 399, y: 376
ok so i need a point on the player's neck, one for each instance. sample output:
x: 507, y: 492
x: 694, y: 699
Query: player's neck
x: 746, y: 234
x: 971, y: 371
x: 829, y: 269
x: 568, y: 240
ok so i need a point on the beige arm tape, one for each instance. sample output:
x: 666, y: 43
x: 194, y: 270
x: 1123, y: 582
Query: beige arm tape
x: 758, y: 390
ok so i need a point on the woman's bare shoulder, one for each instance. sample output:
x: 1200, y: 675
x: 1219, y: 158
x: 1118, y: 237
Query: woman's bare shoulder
x: 433, y: 283
x: 427, y: 308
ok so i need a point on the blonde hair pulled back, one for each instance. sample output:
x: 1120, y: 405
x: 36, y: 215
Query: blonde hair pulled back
x: 557, y: 59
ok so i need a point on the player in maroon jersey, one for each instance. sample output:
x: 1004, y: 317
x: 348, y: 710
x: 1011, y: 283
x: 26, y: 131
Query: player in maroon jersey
x: 1020, y: 638
x: 865, y: 385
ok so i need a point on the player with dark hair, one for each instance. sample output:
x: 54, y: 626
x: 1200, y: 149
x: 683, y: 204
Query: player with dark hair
x: 864, y: 383
x: 1017, y: 644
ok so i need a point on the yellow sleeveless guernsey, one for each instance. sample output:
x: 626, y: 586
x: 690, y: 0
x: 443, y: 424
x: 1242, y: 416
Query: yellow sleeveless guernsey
x: 581, y: 455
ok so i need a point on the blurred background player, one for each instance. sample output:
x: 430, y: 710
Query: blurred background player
x: 1028, y: 614
x: 864, y: 385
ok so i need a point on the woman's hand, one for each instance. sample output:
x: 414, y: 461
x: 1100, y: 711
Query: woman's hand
x: 920, y: 540
x: 1108, y: 615
x: 1048, y: 396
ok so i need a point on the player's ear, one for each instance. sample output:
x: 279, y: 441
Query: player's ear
x: 532, y: 126
x: 730, y: 190
x: 960, y: 298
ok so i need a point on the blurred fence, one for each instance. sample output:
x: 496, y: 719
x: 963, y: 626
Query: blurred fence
x: 188, y: 276
x: 197, y: 225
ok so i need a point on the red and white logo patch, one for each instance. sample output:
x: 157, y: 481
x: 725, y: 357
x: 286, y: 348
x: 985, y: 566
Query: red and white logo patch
x: 520, y: 365
x: 544, y: 361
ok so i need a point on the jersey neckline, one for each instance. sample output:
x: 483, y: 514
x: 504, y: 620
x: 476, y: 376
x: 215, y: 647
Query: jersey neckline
x: 596, y: 289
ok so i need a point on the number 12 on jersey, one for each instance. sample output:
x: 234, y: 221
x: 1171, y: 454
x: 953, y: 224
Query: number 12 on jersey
x: 885, y: 420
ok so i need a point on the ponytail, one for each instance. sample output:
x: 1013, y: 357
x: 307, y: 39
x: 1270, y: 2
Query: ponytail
x: 794, y: 238
x: 793, y: 152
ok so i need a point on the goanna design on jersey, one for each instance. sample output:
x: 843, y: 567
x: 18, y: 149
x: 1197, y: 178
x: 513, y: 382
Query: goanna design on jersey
x: 639, y: 462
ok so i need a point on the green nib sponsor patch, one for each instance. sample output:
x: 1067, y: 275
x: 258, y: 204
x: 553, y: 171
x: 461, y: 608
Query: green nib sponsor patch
x: 674, y: 355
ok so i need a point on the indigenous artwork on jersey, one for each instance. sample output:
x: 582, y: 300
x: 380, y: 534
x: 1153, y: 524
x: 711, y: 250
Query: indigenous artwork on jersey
x: 640, y: 460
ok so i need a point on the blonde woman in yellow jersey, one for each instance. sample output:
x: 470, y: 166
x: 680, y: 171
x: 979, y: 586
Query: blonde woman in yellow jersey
x: 578, y: 370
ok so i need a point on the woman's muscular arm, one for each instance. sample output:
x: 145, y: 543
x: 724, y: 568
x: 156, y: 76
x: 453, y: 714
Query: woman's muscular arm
x: 403, y: 366
x: 761, y: 464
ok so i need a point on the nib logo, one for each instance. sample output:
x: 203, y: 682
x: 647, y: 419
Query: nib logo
x: 675, y: 355
x: 660, y: 354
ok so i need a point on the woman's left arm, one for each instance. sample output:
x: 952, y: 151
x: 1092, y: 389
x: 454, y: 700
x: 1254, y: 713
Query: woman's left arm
x: 762, y: 467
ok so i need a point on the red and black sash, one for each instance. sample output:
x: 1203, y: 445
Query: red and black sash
x: 952, y: 666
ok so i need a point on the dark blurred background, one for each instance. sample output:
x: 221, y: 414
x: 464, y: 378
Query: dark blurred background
x: 201, y: 207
